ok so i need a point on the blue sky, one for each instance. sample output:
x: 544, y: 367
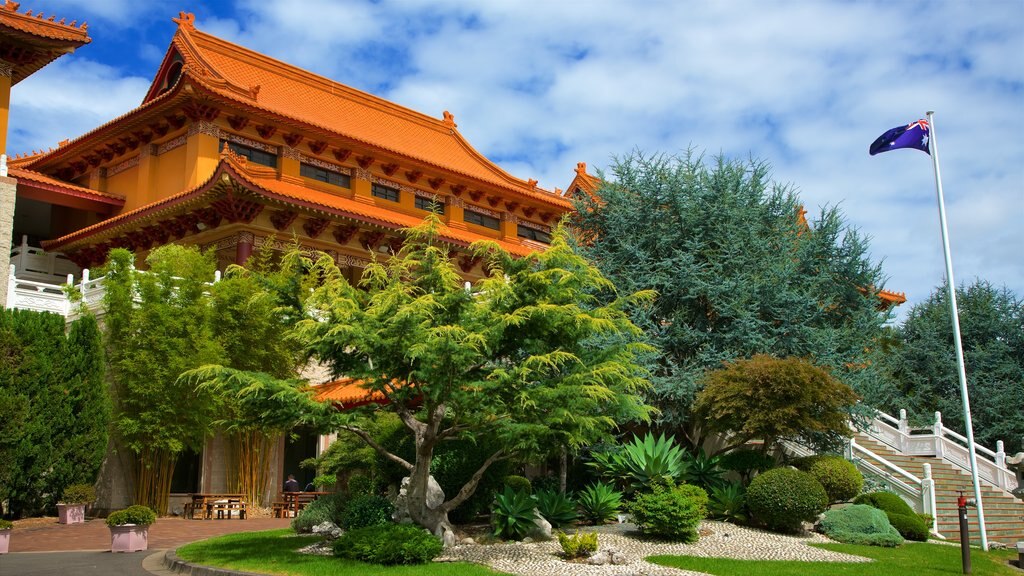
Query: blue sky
x: 540, y: 85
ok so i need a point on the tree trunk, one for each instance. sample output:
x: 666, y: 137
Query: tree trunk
x: 426, y: 503
x: 563, y: 469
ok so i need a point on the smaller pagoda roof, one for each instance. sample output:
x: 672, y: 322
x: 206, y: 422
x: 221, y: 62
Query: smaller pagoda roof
x: 347, y: 393
x: 30, y: 41
x: 587, y: 183
x: 37, y: 186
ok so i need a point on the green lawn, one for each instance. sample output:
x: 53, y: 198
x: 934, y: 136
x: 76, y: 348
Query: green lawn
x: 910, y: 559
x: 273, y: 552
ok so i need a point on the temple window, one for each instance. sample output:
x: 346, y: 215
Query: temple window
x: 480, y: 219
x: 328, y: 176
x: 430, y: 205
x: 532, y: 234
x: 253, y: 155
x: 385, y: 192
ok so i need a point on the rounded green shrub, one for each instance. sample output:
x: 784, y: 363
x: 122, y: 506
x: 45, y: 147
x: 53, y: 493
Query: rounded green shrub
x: 6, y: 524
x: 885, y: 501
x: 389, y: 544
x: 327, y: 508
x: 137, y: 514
x: 79, y: 494
x: 359, y: 485
x: 519, y: 483
x: 838, y: 476
x: 578, y: 545
x: 782, y: 498
x: 366, y: 510
x: 910, y: 526
x: 671, y: 512
x: 860, y: 524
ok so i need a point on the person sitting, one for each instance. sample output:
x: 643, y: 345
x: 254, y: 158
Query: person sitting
x: 291, y: 484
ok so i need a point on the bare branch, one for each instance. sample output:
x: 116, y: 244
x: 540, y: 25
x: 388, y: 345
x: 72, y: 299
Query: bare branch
x: 470, y: 486
x: 380, y: 449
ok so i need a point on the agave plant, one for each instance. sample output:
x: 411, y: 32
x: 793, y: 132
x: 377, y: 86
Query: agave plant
x: 600, y: 502
x: 703, y: 470
x: 728, y: 502
x: 643, y: 462
x: 513, y: 514
x: 557, y: 508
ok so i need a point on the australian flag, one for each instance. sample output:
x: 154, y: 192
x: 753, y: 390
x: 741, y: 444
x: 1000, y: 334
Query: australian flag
x: 913, y: 135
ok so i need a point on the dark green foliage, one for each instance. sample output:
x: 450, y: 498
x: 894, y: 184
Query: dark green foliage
x: 783, y: 498
x: 54, y: 408
x: 641, y: 462
x: 885, y: 501
x: 775, y: 399
x: 910, y: 526
x: 137, y: 514
x: 922, y: 361
x: 327, y: 508
x: 454, y: 464
x: 512, y: 514
x: 519, y: 483
x: 599, y: 503
x: 578, y: 545
x: 838, y: 476
x: 389, y: 544
x: 860, y: 524
x: 6, y: 524
x: 746, y: 462
x: 728, y: 502
x: 735, y: 270
x: 359, y: 485
x: 368, y: 510
x: 703, y: 470
x: 670, y: 512
x: 557, y: 508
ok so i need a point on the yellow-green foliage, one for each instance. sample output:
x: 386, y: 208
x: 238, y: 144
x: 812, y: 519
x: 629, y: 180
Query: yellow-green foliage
x: 578, y: 545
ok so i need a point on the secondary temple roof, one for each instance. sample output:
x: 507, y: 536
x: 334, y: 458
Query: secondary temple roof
x: 30, y: 41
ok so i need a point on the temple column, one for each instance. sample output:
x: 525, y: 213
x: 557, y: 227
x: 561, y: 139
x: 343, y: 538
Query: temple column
x: 202, y: 153
x: 456, y: 213
x: 509, y: 226
x: 5, y: 102
x: 8, y: 195
x: 362, y: 186
x: 243, y: 249
x: 290, y: 159
x: 147, y: 174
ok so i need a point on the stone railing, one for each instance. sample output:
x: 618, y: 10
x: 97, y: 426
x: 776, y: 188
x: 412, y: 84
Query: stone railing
x: 941, y: 442
x: 38, y: 265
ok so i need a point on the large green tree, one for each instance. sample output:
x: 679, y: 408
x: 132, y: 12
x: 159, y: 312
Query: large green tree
x: 737, y: 271
x: 923, y: 362
x: 529, y: 354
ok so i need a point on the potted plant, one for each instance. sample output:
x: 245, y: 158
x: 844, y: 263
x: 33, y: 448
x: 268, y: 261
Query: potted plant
x: 71, y: 508
x: 5, y: 535
x: 129, y: 528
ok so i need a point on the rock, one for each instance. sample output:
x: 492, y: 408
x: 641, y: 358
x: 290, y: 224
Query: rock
x: 542, y: 528
x: 435, y: 497
x: 527, y: 540
x: 328, y: 529
x: 599, y: 559
x: 997, y: 546
x: 448, y: 538
x: 468, y: 541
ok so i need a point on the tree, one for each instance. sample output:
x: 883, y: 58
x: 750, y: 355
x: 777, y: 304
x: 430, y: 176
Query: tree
x: 737, y: 273
x: 529, y: 354
x: 923, y: 362
x: 775, y: 399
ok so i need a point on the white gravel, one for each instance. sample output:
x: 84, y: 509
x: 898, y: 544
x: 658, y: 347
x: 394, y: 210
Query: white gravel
x: 724, y: 541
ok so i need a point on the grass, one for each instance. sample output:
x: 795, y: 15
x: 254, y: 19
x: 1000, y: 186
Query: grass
x: 912, y: 558
x: 274, y: 552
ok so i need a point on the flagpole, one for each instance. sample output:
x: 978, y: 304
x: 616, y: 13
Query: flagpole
x: 934, y: 152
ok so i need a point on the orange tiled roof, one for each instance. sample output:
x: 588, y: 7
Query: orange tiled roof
x: 39, y: 26
x: 50, y: 183
x: 348, y: 393
x: 585, y: 182
x: 896, y: 298
x: 264, y: 183
x: 253, y: 79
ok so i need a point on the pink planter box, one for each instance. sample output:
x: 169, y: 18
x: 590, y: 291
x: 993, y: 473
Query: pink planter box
x: 5, y: 540
x: 129, y: 538
x: 70, y: 513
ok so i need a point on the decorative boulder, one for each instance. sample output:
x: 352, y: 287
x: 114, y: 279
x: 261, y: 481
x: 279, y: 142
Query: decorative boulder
x: 435, y: 497
x: 542, y: 528
x: 328, y: 529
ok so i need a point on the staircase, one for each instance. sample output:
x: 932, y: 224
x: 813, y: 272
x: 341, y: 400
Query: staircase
x: 1004, y: 514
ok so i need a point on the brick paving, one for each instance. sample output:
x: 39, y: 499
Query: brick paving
x: 166, y: 533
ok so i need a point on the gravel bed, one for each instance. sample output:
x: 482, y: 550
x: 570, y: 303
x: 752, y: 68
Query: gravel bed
x: 719, y: 539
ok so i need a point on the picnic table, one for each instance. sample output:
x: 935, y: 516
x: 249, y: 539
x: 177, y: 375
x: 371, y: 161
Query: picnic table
x: 209, y: 505
x: 291, y: 503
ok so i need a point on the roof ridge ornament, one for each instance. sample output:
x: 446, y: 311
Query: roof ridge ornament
x: 449, y: 119
x: 581, y: 168
x: 186, y: 20
x: 13, y: 6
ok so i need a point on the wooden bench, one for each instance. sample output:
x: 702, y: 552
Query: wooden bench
x: 226, y: 508
x: 289, y: 504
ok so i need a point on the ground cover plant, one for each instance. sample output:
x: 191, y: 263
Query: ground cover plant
x: 914, y: 558
x: 389, y: 544
x: 578, y: 545
x: 275, y: 552
x: 910, y: 524
x: 860, y: 524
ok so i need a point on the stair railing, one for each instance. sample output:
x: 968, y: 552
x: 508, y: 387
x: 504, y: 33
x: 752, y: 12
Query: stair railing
x: 945, y: 444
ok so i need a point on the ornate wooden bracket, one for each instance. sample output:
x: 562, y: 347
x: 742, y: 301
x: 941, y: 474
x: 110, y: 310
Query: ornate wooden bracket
x: 529, y: 210
x: 493, y: 200
x: 511, y: 205
x: 292, y: 139
x: 341, y: 154
x: 371, y: 239
x: 317, y: 147
x: 458, y: 189
x: 200, y: 111
x: 365, y: 161
x: 476, y: 195
x: 467, y: 262
x: 159, y: 128
x: 238, y: 122
x: 435, y: 183
x: 282, y: 219
x: 175, y: 121
x: 389, y: 169
x: 208, y: 217
x: 413, y: 175
x: 144, y: 137
x: 546, y: 216
x: 395, y: 243
x: 315, y: 226
x: 344, y: 232
x: 266, y: 131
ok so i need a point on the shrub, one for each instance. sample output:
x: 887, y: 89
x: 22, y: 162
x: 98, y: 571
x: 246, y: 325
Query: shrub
x: 79, y: 494
x: 557, y: 508
x: 728, y: 503
x: 599, y: 503
x: 672, y: 512
x: 782, y: 498
x: 6, y: 524
x: 366, y: 510
x: 746, y: 462
x: 359, y: 485
x: 885, y: 501
x: 839, y: 477
x: 642, y: 462
x: 389, y: 544
x: 703, y: 470
x: 910, y: 526
x: 519, y: 483
x: 327, y: 508
x: 513, y: 514
x: 860, y: 524
x: 578, y: 545
x: 137, y: 514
